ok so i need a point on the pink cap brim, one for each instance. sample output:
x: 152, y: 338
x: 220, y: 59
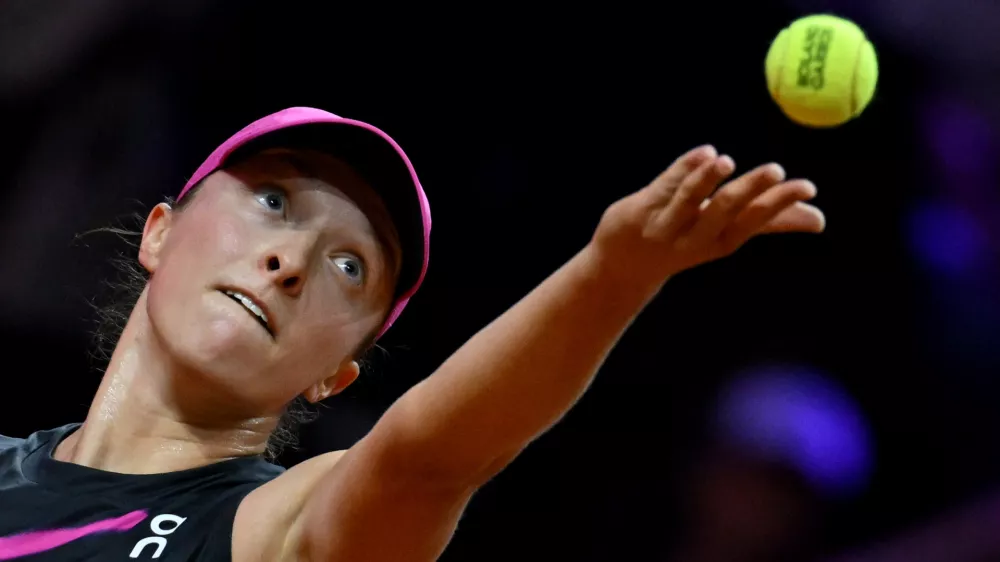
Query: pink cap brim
x: 297, y: 116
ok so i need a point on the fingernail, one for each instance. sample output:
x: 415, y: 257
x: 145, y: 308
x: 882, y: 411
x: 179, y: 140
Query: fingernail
x: 707, y: 149
x: 821, y: 219
x: 725, y: 164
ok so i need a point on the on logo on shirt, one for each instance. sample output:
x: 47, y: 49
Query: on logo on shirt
x: 156, y: 525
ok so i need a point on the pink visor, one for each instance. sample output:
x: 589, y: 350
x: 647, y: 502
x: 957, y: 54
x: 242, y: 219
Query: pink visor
x: 375, y: 156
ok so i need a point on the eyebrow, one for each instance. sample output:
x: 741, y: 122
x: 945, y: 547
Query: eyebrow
x: 298, y: 164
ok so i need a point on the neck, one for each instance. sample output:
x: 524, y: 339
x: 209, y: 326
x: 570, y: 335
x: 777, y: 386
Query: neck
x: 151, y: 415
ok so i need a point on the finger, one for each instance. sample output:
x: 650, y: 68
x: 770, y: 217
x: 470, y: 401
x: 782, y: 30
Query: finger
x: 666, y: 184
x: 683, y: 210
x: 781, y: 198
x: 800, y: 217
x: 729, y: 201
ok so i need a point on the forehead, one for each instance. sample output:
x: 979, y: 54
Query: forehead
x: 324, y: 170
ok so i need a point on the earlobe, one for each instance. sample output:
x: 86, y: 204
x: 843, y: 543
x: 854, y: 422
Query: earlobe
x: 334, y: 384
x: 154, y: 234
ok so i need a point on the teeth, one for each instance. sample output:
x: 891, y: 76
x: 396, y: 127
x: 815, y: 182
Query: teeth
x: 249, y: 305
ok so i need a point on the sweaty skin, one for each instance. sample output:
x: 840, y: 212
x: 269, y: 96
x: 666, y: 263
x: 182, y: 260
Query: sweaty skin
x: 196, y: 379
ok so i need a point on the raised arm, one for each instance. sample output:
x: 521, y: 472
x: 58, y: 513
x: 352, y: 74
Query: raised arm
x: 398, y: 493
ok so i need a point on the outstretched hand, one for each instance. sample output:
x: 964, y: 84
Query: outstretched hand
x: 683, y: 218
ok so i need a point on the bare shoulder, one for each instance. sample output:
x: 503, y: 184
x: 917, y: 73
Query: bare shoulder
x: 266, y: 516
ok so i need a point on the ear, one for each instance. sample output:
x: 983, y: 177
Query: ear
x: 334, y: 384
x: 154, y: 236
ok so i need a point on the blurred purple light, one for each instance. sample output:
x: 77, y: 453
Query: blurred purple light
x: 961, y: 138
x: 794, y: 415
x: 948, y: 238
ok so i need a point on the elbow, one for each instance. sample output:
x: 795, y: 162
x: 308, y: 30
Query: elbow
x: 494, y: 468
x: 428, y: 464
x: 442, y: 473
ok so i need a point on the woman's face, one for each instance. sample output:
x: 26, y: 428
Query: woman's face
x: 267, y: 283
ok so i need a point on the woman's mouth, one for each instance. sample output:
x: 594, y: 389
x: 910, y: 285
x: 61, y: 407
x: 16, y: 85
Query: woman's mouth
x: 250, y: 307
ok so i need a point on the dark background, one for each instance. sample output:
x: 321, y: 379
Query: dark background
x: 525, y: 122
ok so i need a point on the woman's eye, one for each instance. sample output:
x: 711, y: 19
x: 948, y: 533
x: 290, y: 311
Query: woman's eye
x: 351, y: 267
x: 273, y: 199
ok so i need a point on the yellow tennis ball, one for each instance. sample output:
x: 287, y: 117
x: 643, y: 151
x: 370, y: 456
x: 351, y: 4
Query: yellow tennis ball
x: 821, y: 70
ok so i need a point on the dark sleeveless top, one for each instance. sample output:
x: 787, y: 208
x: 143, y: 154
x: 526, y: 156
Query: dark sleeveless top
x: 52, y: 511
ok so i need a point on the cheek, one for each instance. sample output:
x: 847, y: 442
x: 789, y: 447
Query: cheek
x: 321, y: 344
x: 197, y: 250
x: 186, y: 311
x: 229, y: 237
x: 209, y: 240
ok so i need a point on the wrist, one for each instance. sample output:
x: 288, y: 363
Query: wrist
x: 620, y: 280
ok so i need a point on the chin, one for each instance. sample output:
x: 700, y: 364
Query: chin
x: 217, y: 364
x: 214, y: 341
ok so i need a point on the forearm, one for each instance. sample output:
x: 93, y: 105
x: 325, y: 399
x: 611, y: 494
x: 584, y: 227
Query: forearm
x: 403, y: 487
x: 517, y: 376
